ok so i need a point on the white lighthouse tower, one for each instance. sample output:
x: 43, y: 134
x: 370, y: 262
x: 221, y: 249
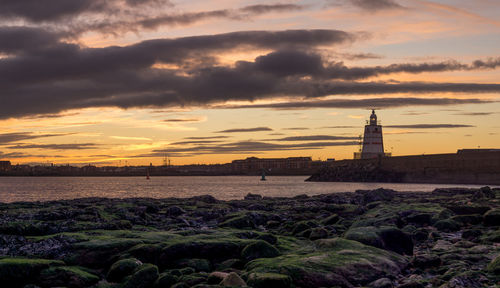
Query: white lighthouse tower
x: 373, y: 144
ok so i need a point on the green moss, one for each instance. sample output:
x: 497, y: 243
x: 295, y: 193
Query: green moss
x: 259, y: 249
x: 122, y: 268
x: 264, y: 280
x: 71, y: 276
x: 359, y: 263
x: 144, y: 276
x: 14, y: 272
x: 447, y: 225
x: 494, y: 266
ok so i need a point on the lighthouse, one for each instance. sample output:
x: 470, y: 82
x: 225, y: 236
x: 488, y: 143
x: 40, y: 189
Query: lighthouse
x: 373, y: 144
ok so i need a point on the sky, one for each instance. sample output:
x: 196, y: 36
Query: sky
x: 131, y: 82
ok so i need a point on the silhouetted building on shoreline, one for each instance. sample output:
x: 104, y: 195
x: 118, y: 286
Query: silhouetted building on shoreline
x: 290, y: 165
x: 5, y: 166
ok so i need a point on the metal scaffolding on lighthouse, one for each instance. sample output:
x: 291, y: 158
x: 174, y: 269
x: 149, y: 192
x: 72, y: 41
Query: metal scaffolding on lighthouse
x: 372, y: 143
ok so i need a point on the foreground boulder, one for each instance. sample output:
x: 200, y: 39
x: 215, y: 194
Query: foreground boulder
x: 122, y: 268
x: 389, y: 238
x: 336, y: 262
x: 16, y: 272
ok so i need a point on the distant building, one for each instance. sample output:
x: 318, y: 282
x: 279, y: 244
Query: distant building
x: 254, y: 164
x: 373, y: 143
x: 5, y: 166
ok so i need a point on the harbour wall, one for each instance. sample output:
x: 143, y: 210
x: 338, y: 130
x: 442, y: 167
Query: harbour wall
x: 481, y: 167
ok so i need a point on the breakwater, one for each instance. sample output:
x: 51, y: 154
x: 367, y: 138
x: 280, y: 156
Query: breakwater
x: 482, y: 167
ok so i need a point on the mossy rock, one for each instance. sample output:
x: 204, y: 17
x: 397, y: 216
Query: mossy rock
x: 122, y: 268
x: 494, y: 266
x: 302, y: 226
x: 468, y: 209
x: 265, y: 280
x: 16, y: 272
x: 99, y: 253
x: 197, y: 264
x: 207, y: 249
x: 193, y: 279
x: 166, y: 279
x: 68, y: 276
x: 259, y: 249
x: 492, y: 218
x: 144, y: 276
x: 472, y: 219
x: 239, y: 222
x: 147, y: 253
x: 318, y: 233
x: 330, y: 220
x: 389, y: 238
x: 447, y: 225
x: 233, y: 280
x: 333, y: 262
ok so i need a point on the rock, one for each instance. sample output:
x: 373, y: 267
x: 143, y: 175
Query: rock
x: 239, y: 222
x: 122, y: 268
x: 464, y: 220
x: 144, y: 276
x: 269, y: 238
x: 424, y: 261
x: 492, y: 218
x: 484, y: 192
x: 197, y: 264
x: 193, y: 279
x: 468, y: 209
x: 146, y: 253
x: 302, y: 226
x: 251, y: 196
x: 330, y: 220
x: 381, y: 283
x: 318, y: 233
x: 471, y: 234
x: 494, y: 266
x: 174, y: 211
x: 72, y: 277
x: 166, y: 280
x: 233, y: 280
x: 205, y: 198
x: 216, y: 277
x: 265, y: 280
x: 420, y: 219
x: 259, y: 249
x: 15, y: 272
x: 379, y: 194
x: 211, y: 250
x: 334, y: 262
x: 389, y: 238
x: 447, y: 225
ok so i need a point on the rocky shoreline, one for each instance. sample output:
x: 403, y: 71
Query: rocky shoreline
x: 378, y: 238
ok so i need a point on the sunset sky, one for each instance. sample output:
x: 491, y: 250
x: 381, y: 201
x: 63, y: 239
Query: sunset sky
x: 115, y: 82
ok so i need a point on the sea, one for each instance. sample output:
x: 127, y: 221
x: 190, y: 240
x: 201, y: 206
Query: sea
x: 16, y: 189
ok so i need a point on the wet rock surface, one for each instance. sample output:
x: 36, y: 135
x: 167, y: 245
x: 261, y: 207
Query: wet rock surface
x: 372, y: 238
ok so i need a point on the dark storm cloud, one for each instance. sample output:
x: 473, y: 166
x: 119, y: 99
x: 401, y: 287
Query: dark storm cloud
x: 66, y: 76
x: 55, y: 10
x: 315, y: 138
x: 376, y: 5
x: 132, y: 20
x: 7, y: 138
x: 429, y: 126
x: 363, y: 103
x: 17, y: 39
x: 80, y: 146
x: 255, y: 129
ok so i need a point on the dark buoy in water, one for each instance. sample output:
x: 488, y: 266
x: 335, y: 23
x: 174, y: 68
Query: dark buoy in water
x: 263, y: 177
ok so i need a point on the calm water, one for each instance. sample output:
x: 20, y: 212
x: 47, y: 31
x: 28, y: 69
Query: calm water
x: 14, y: 189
